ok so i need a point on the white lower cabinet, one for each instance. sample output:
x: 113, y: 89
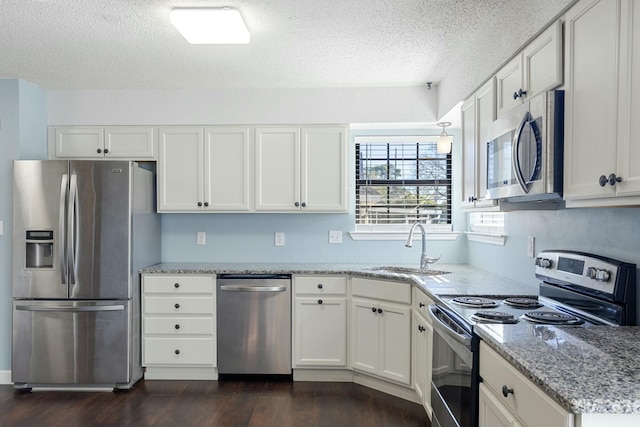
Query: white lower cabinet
x: 422, y: 343
x: 508, y: 398
x: 319, y: 321
x: 178, y: 326
x: 381, y: 330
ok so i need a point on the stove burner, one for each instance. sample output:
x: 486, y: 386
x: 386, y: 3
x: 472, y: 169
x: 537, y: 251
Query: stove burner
x: 523, y: 302
x: 475, y: 302
x: 552, y: 317
x: 493, y: 317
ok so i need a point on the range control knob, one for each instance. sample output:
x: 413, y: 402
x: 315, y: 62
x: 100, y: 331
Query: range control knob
x: 598, y: 274
x: 544, y: 262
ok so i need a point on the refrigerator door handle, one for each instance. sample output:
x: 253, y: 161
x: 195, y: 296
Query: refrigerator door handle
x: 72, y: 233
x: 64, y: 183
x: 70, y: 309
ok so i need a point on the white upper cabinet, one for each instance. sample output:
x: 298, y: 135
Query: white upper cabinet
x: 96, y: 142
x: 301, y: 169
x: 204, y: 169
x: 602, y: 98
x: 538, y: 67
x: 477, y: 112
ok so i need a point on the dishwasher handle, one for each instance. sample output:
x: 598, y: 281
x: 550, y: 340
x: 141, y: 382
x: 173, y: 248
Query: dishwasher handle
x: 252, y: 288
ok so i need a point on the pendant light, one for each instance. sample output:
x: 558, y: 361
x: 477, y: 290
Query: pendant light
x: 444, y: 140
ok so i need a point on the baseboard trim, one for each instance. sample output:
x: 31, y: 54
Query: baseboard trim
x: 323, y: 375
x: 180, y: 373
x: 5, y: 378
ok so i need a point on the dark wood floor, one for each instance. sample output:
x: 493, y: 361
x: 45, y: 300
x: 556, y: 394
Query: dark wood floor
x: 212, y: 403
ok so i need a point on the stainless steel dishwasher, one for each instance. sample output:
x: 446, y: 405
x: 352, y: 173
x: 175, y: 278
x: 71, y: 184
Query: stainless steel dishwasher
x: 254, y: 324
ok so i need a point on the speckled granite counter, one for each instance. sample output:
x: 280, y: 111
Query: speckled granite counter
x: 462, y: 280
x: 586, y: 369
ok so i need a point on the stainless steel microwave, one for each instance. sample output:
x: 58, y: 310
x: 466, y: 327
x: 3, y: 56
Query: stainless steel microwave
x: 525, y: 151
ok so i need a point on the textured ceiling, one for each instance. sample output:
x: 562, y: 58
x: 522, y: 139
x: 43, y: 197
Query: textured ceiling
x: 130, y: 44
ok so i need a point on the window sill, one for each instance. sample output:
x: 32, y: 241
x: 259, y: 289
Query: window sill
x: 398, y: 235
x: 490, y: 239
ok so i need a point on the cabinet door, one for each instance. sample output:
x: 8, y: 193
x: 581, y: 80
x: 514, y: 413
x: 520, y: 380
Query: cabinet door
x: 492, y: 413
x: 395, y: 343
x: 508, y: 82
x: 79, y: 142
x: 469, y: 146
x: 542, y: 61
x: 277, y: 169
x: 365, y: 335
x: 227, y: 167
x: 591, y: 92
x: 629, y: 143
x: 129, y: 142
x: 324, y: 169
x: 180, y: 169
x: 485, y: 115
x: 422, y: 338
x: 320, y: 331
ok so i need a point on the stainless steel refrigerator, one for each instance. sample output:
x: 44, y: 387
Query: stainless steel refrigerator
x: 81, y: 232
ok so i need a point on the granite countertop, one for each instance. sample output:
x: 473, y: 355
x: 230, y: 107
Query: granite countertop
x: 591, y: 369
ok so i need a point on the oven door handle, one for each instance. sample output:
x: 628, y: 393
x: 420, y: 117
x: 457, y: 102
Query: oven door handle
x: 462, y: 338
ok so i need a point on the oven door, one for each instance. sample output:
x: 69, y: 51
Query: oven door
x: 454, y: 384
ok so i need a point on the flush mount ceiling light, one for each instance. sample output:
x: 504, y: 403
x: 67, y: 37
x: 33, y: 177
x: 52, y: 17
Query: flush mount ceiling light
x: 210, y: 25
x: 444, y: 140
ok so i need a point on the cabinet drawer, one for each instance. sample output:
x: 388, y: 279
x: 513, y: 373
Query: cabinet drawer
x: 178, y: 284
x: 421, y: 303
x: 377, y: 289
x: 528, y: 402
x: 178, y: 351
x: 318, y: 285
x: 178, y: 325
x: 178, y: 305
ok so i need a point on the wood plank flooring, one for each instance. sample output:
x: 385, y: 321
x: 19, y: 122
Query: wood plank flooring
x: 212, y: 403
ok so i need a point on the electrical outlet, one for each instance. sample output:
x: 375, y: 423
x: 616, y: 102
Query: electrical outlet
x: 531, y: 246
x: 201, y: 238
x: 335, y: 236
x: 279, y: 238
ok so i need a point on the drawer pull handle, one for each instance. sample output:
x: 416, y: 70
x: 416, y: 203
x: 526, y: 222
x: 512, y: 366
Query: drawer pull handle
x: 177, y: 305
x: 319, y: 301
x: 176, y: 285
x: 506, y: 391
x: 319, y: 285
x: 177, y: 352
x: 177, y: 326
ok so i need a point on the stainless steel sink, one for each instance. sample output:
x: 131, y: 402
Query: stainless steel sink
x: 408, y: 270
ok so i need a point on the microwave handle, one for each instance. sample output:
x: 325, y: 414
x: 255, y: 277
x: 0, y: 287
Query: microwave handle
x: 517, y: 167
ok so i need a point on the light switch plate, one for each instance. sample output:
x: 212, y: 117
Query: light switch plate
x: 279, y: 239
x: 201, y: 238
x: 335, y: 236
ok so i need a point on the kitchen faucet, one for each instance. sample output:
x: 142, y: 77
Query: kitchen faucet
x: 424, y: 259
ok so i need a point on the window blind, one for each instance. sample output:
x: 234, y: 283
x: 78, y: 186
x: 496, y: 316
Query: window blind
x: 402, y: 180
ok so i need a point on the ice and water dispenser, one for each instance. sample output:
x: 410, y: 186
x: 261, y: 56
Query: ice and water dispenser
x: 39, y: 249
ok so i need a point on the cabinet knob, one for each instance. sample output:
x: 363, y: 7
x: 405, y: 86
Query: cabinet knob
x: 421, y: 305
x: 421, y: 328
x: 611, y: 180
x: 176, y: 285
x: 519, y: 94
x: 472, y: 199
x: 374, y: 309
x: 506, y: 391
x: 379, y: 310
x: 199, y: 203
x: 304, y: 204
x: 319, y: 301
x: 206, y: 203
x: 106, y: 151
x: 297, y: 204
x: 177, y: 326
x: 99, y: 151
x: 177, y: 305
x: 319, y: 285
x: 177, y: 352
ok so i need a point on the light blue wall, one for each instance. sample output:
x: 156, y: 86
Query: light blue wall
x: 250, y: 237
x: 23, y: 133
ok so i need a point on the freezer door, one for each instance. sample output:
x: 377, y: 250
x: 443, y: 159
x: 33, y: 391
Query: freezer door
x: 39, y: 205
x: 99, y: 230
x: 65, y: 342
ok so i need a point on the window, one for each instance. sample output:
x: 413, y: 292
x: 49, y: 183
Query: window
x: 401, y: 180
